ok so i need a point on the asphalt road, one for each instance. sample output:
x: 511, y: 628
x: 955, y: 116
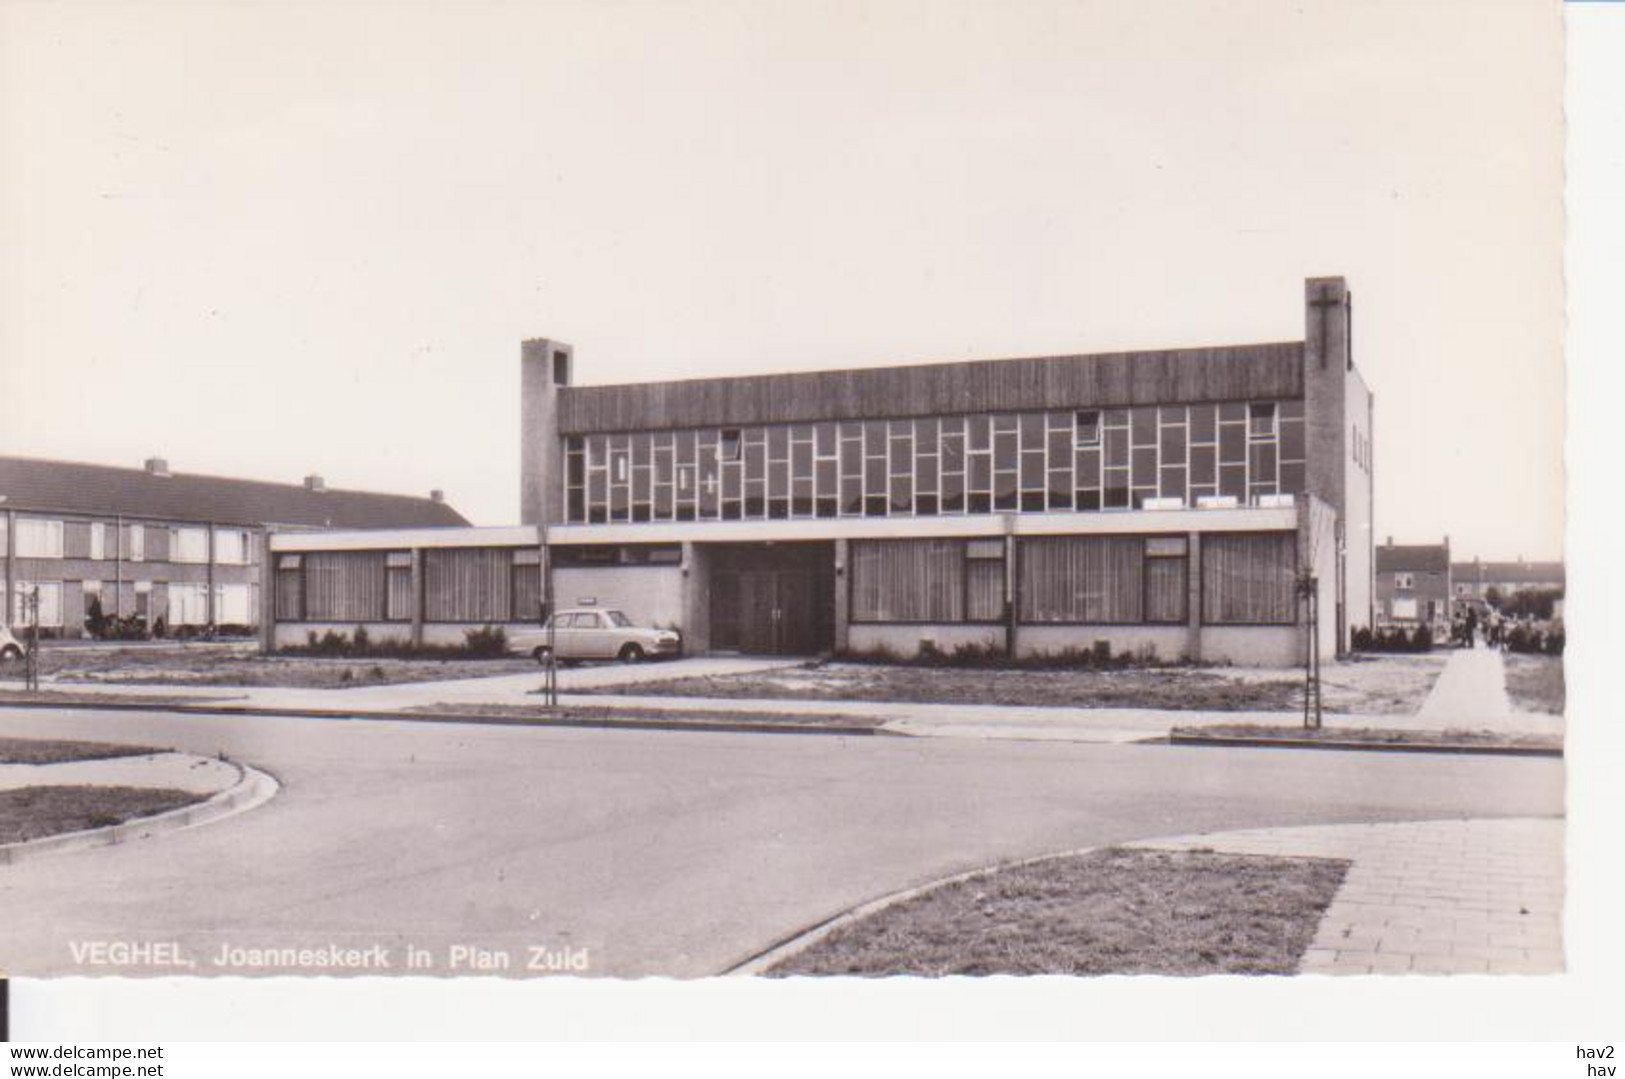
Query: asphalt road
x: 635, y: 853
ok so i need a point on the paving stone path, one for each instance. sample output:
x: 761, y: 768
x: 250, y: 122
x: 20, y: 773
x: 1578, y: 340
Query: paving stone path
x: 1431, y: 897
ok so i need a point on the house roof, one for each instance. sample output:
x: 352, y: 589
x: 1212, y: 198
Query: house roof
x: 1519, y: 572
x: 1425, y: 558
x: 72, y: 487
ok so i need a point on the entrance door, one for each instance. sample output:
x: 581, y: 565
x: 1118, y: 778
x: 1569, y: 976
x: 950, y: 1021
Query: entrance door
x: 798, y: 628
x: 774, y: 599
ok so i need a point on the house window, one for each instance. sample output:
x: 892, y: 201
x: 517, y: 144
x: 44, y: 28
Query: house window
x: 50, y: 601
x: 38, y: 538
x: 468, y: 584
x: 527, y: 584
x: 730, y: 444
x: 98, y: 541
x: 1404, y: 580
x: 1249, y: 578
x: 344, y: 586
x: 189, y: 545
x: 188, y: 604
x: 1088, y: 431
x: 927, y: 581
x: 1166, y: 579
x: 231, y: 605
x: 398, y: 567
x: 289, y: 585
x: 1261, y: 419
x: 138, y: 543
x: 561, y: 368
x: 230, y: 547
x: 1087, y: 579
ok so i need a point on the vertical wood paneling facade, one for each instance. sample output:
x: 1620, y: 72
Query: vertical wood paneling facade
x: 1112, y: 380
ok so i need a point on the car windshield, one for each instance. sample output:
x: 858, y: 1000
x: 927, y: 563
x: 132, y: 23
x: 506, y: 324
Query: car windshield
x: 616, y: 618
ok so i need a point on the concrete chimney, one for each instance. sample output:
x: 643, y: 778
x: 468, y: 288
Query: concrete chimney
x: 437, y: 495
x: 315, y: 483
x: 157, y: 466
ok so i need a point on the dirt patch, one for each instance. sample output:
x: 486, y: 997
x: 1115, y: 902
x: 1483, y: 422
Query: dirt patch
x: 1174, y: 689
x: 237, y: 665
x: 48, y: 751
x: 1393, y: 685
x: 1536, y: 683
x: 1107, y: 912
x: 1386, y: 686
x: 1375, y: 736
x: 37, y: 812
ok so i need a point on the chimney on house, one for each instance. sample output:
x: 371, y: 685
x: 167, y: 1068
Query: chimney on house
x: 315, y: 483
x: 157, y: 466
x: 1390, y: 542
x: 437, y: 495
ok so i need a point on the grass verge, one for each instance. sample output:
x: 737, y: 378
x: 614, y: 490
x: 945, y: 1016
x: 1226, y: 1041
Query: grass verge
x: 1374, y: 735
x: 1114, y: 911
x: 1536, y: 683
x: 519, y: 713
x: 51, y: 751
x: 60, y: 696
x: 37, y: 812
x: 237, y: 665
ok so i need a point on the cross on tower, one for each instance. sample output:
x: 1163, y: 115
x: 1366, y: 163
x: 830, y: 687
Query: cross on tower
x: 1321, y: 302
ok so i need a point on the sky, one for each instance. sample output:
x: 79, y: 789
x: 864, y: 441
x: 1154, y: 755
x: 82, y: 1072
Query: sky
x: 270, y: 240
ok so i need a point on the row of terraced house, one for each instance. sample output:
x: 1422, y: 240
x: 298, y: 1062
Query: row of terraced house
x: 165, y: 552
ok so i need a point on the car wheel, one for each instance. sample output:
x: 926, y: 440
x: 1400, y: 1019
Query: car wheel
x: 540, y: 654
x: 631, y: 653
x: 11, y: 651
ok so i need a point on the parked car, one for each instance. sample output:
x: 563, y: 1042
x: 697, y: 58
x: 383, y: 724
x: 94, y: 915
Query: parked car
x: 596, y: 633
x: 10, y: 647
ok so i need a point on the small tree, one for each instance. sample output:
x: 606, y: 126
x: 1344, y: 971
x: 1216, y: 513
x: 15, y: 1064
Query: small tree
x: 95, y: 619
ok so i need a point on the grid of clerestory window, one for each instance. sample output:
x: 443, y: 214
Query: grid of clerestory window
x: 1031, y: 462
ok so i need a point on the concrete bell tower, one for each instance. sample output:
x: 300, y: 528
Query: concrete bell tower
x: 545, y: 368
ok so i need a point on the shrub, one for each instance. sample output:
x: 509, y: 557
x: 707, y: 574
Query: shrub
x: 487, y: 642
x: 986, y: 655
x: 1392, y: 639
x: 362, y: 643
x: 330, y: 643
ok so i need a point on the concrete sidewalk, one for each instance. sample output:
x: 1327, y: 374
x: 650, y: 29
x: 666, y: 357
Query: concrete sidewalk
x: 499, y: 689
x: 1432, y: 897
x: 1470, y: 694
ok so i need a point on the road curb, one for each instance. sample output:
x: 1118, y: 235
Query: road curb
x: 799, y: 941
x: 707, y: 726
x: 252, y: 789
x: 1249, y: 742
